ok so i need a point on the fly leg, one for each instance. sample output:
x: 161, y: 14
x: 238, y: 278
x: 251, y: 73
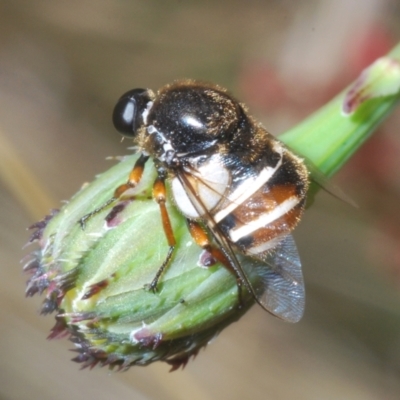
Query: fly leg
x: 134, y: 178
x: 159, y: 195
x: 200, y: 236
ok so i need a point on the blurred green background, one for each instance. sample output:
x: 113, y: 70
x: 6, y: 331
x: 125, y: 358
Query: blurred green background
x: 62, y: 67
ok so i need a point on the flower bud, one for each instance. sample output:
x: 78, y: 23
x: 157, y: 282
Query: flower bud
x: 95, y: 278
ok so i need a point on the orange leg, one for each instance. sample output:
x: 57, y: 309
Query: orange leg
x: 134, y: 178
x: 159, y: 195
x: 201, y: 238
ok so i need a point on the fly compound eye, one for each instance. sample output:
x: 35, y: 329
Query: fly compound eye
x: 128, y: 112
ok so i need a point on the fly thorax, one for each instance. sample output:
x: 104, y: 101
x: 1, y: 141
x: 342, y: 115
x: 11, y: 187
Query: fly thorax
x: 160, y: 146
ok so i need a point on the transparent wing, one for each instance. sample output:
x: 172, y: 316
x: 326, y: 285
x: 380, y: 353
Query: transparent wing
x: 278, y: 281
x: 279, y: 286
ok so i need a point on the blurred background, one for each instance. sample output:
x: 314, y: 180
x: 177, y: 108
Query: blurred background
x: 62, y: 67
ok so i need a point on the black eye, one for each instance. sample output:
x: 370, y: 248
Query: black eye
x: 128, y: 112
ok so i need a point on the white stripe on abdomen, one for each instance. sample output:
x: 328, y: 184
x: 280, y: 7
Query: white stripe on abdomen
x: 249, y: 187
x: 264, y: 219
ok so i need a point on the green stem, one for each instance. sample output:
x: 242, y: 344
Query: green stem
x: 328, y: 138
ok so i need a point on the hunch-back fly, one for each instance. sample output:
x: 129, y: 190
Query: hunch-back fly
x: 240, y: 189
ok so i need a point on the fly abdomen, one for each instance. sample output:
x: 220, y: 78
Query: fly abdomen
x: 269, y: 213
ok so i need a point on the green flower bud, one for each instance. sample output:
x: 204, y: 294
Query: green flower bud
x: 96, y: 277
